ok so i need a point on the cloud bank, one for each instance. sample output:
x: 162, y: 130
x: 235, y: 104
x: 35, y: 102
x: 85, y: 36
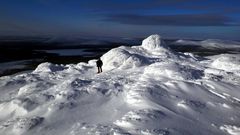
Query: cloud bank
x: 173, y: 20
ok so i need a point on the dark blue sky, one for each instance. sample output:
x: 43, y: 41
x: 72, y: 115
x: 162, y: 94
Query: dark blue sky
x: 122, y: 18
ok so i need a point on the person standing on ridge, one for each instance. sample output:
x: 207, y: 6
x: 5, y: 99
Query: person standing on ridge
x: 99, y: 65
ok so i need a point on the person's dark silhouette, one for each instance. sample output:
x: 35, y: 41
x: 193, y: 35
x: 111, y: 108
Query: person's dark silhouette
x: 99, y: 65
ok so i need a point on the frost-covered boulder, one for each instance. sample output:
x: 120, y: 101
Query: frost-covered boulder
x: 153, y: 42
x: 49, y: 67
x: 122, y: 58
x: 131, y: 57
x: 155, y: 45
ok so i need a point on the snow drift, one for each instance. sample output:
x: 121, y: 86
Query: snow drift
x: 144, y: 90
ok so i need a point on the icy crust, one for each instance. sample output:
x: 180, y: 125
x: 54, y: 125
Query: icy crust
x: 143, y: 90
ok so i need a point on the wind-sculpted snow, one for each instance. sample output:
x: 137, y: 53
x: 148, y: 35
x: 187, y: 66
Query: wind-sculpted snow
x: 143, y: 90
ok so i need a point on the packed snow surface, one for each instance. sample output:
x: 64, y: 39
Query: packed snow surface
x: 143, y: 90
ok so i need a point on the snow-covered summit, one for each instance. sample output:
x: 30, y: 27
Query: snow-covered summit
x: 143, y: 90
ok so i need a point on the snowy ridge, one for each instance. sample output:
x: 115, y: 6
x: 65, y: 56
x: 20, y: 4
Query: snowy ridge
x: 210, y: 43
x: 144, y: 90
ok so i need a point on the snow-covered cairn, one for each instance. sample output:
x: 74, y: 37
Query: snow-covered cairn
x: 130, y: 57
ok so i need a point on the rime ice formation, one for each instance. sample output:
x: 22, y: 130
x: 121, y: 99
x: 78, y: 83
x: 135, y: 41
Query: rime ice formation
x: 143, y: 90
x: 153, y: 42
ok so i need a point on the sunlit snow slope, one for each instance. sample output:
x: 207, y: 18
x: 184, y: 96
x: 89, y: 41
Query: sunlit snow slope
x: 144, y: 90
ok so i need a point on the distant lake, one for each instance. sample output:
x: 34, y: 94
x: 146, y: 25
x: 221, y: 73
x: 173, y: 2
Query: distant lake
x: 69, y: 52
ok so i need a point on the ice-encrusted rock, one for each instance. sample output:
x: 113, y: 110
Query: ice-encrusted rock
x: 122, y: 58
x: 49, y: 67
x: 156, y: 46
x: 153, y: 42
x: 131, y: 57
